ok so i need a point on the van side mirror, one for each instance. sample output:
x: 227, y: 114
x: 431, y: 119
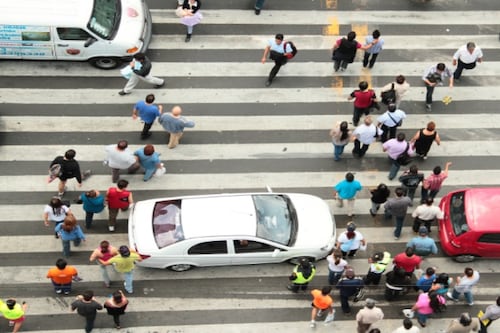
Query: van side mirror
x: 89, y: 41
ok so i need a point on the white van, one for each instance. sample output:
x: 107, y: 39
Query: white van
x: 104, y: 32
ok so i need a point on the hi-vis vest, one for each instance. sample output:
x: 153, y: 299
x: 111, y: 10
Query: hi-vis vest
x: 300, y: 279
x: 380, y: 266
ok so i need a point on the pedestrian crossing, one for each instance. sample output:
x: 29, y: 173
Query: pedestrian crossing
x: 246, y: 137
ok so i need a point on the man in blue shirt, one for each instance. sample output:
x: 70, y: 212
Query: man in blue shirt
x: 278, y: 51
x: 349, y: 286
x: 423, y: 244
x: 374, y: 44
x: 347, y: 189
x: 148, y: 112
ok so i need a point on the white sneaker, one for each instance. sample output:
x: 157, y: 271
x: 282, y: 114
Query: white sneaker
x: 312, y: 324
x: 319, y: 313
x: 111, y: 228
x: 330, y: 318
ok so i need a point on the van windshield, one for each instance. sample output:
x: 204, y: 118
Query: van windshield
x: 105, y: 18
x: 457, y: 214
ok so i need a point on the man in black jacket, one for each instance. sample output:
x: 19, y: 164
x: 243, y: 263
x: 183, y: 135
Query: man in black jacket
x: 141, y: 69
x: 69, y: 168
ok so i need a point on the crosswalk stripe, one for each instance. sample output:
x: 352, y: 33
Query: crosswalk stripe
x: 246, y: 180
x: 250, y: 95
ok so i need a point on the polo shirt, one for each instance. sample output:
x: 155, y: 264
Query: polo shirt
x: 147, y: 112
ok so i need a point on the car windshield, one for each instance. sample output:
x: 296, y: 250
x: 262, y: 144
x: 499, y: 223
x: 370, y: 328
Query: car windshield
x: 105, y: 18
x: 457, y: 213
x: 276, y: 218
x: 167, y: 225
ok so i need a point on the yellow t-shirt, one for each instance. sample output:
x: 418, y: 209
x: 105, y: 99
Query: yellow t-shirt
x: 16, y: 313
x: 124, y: 264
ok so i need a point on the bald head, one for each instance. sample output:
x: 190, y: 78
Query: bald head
x: 176, y: 110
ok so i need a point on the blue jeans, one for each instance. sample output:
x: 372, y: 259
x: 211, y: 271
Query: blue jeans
x: 399, y: 225
x: 104, y: 273
x: 428, y: 95
x: 467, y: 294
x: 66, y: 244
x: 334, y: 277
x: 259, y: 4
x: 337, y: 151
x: 394, y: 169
x: 65, y: 288
x: 149, y: 173
x: 129, y: 277
x: 421, y: 317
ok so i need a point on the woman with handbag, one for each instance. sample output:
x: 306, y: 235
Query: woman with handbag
x: 55, y: 212
x: 69, y: 231
x: 423, y: 139
x: 400, y: 87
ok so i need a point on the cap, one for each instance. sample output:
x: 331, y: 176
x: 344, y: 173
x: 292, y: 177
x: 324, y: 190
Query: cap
x: 423, y: 231
x: 378, y: 256
x: 349, y: 273
x: 370, y: 301
x: 124, y: 251
x: 351, y: 226
x: 304, y: 262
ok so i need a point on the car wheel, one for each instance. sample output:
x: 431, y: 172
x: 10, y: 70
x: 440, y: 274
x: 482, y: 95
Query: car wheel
x: 180, y: 267
x: 105, y: 62
x: 464, y: 258
x: 296, y: 260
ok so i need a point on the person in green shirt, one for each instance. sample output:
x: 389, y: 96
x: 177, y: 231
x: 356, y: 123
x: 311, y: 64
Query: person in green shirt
x: 124, y: 263
x: 13, y: 312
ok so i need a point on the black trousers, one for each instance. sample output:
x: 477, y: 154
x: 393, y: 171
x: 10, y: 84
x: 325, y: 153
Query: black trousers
x: 366, y: 57
x: 389, y: 133
x: 279, y: 60
x: 145, y: 130
x: 359, y: 149
x: 460, y: 67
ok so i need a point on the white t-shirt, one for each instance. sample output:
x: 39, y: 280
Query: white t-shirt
x: 119, y: 159
x: 355, y: 242
x: 413, y: 329
x: 336, y: 268
x: 56, y: 217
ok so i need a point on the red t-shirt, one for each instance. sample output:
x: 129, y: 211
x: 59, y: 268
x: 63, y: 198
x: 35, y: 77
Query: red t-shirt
x: 118, y: 199
x: 363, y: 99
x: 407, y: 263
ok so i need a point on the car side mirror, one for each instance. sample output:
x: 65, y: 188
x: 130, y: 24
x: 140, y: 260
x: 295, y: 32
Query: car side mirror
x: 276, y: 252
x: 89, y: 41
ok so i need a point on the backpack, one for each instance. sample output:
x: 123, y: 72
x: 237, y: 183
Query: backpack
x: 389, y: 96
x: 294, y: 50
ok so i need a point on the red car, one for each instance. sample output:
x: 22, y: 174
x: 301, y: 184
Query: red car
x: 471, y: 224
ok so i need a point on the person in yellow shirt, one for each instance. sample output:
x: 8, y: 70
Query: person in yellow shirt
x: 322, y: 301
x: 13, y: 312
x: 124, y: 263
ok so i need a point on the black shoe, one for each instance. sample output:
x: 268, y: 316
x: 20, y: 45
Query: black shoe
x: 268, y: 83
x: 160, y: 85
x: 372, y: 213
x: 123, y: 93
x: 257, y: 11
x: 188, y: 38
x: 144, y: 137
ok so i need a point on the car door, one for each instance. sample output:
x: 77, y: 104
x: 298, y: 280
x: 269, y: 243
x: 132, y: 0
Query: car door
x: 488, y: 245
x: 247, y: 251
x: 70, y: 43
x: 209, y: 253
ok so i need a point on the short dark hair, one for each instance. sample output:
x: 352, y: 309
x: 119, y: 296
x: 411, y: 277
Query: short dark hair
x: 376, y: 34
x: 326, y: 290
x: 88, y: 295
x: 122, y: 144
x: 400, y: 79
x: 429, y: 201
x: 468, y: 271
x: 413, y: 169
x: 122, y: 183
x: 363, y: 85
x: 498, y: 300
x: 409, y: 251
x: 436, y: 170
x: 399, y: 192
x: 465, y: 319
x: 150, y: 98
x: 140, y: 56
x: 61, y: 263
x: 149, y: 149
x: 401, y: 136
x: 351, y: 35
x: 407, y: 323
x: 349, y: 177
x: 279, y: 36
x: 471, y: 45
x: 70, y: 154
x: 441, y: 66
x: 430, y: 271
x: 117, y: 296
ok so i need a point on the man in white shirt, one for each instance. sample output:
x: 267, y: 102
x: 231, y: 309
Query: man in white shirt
x: 364, y: 134
x: 407, y: 327
x: 425, y: 214
x: 277, y: 50
x: 119, y: 157
x: 466, y: 57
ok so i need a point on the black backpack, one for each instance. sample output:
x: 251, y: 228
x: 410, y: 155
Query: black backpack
x: 294, y: 50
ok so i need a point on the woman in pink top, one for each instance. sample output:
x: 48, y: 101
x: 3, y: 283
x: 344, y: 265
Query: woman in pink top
x: 104, y: 252
x: 427, y: 304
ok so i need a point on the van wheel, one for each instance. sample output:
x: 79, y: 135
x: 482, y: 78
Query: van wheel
x: 180, y: 267
x: 105, y: 63
x: 464, y: 258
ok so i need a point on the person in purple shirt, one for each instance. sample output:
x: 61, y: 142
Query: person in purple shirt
x: 148, y: 112
x: 394, y: 148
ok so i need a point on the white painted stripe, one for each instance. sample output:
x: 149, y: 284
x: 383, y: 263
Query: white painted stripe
x: 91, y: 272
x: 320, y: 17
x: 318, y: 42
x: 236, y: 123
x: 257, y: 180
x: 387, y: 325
x: 242, y: 69
x: 276, y: 94
x: 10, y: 213
x: 253, y: 151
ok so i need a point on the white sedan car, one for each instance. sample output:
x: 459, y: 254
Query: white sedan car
x: 230, y: 229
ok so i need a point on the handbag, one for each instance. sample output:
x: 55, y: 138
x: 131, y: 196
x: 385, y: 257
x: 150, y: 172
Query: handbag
x: 389, y: 97
x: 54, y: 172
x: 404, y: 158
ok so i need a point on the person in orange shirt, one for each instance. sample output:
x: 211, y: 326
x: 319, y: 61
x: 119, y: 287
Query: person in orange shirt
x: 322, y: 301
x: 61, y: 276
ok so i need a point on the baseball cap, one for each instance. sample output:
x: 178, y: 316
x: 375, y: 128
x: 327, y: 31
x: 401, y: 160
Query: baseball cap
x: 378, y: 256
x: 423, y: 231
x: 351, y: 226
